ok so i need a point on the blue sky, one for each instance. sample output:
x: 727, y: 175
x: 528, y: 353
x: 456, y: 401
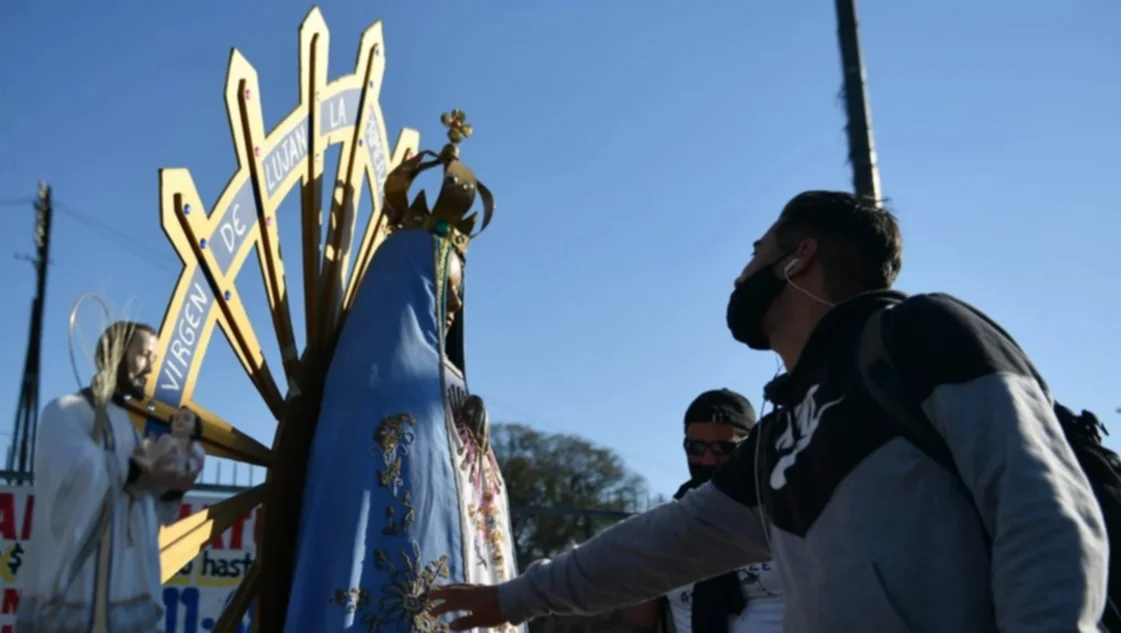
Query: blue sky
x: 636, y: 150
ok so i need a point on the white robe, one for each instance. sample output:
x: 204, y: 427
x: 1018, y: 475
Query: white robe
x: 94, y: 551
x: 489, y: 556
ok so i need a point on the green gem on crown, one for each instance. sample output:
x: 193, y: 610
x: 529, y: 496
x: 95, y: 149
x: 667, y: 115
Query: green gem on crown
x: 441, y: 228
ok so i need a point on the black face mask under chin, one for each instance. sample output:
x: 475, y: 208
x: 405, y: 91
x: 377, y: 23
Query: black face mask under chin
x: 748, y: 304
x: 701, y: 473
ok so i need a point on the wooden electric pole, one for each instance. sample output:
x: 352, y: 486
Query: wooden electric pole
x: 862, y: 151
x: 27, y: 411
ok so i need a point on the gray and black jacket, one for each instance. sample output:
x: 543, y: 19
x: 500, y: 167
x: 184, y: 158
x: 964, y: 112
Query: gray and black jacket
x: 869, y: 533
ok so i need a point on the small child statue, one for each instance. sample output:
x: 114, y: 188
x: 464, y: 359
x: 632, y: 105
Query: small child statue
x: 179, y: 450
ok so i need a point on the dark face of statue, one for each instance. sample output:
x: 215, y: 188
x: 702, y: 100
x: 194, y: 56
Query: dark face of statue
x: 455, y: 288
x: 137, y: 364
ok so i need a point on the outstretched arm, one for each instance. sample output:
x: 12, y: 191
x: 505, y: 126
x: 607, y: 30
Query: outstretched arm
x: 706, y: 533
x: 1049, y: 548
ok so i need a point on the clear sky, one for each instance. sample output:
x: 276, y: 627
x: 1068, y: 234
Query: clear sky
x: 635, y: 148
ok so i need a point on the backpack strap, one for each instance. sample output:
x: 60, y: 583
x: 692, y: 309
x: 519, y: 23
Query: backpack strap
x: 889, y: 388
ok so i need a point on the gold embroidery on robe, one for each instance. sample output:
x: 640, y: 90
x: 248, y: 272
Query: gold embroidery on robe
x: 400, y: 604
x: 481, y: 470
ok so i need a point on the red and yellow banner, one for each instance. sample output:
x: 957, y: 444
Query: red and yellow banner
x: 192, y: 599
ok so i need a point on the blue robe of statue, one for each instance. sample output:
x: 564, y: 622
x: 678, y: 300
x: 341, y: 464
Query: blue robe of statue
x: 402, y: 490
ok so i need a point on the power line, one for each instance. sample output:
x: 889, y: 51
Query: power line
x: 125, y: 241
x: 122, y: 239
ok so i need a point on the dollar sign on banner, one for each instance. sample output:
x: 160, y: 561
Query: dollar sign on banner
x: 16, y: 559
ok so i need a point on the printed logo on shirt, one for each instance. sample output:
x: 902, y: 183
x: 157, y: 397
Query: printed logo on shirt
x: 760, y: 581
x: 799, y: 431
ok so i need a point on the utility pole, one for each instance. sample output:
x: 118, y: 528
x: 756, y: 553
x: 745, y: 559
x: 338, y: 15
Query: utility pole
x: 27, y: 411
x: 862, y: 152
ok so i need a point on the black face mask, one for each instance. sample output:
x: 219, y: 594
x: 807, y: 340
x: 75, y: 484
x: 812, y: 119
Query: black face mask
x: 749, y: 302
x: 701, y: 473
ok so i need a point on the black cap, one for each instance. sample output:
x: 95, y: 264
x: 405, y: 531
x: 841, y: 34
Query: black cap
x: 723, y: 406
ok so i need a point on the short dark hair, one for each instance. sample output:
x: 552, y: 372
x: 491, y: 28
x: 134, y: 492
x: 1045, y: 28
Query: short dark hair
x: 858, y: 239
x: 117, y: 336
x: 723, y: 406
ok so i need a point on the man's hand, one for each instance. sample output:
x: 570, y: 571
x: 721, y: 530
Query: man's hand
x: 480, y: 602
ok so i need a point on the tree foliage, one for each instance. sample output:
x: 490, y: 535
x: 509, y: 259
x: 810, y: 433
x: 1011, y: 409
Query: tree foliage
x: 562, y: 490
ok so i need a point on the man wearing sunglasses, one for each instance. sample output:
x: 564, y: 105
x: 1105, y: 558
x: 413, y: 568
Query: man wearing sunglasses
x: 746, y: 600
x: 714, y: 423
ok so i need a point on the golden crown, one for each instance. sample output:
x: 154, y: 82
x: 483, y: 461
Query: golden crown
x: 449, y: 218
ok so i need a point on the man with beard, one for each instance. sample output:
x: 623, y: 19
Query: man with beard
x: 870, y: 532
x: 745, y: 600
x: 94, y: 564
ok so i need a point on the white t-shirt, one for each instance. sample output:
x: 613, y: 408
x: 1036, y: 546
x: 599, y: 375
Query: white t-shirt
x: 765, y: 605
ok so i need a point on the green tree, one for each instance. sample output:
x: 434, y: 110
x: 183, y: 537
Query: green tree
x: 562, y: 490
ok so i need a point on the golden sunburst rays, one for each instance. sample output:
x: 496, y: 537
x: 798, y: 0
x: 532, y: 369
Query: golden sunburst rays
x: 355, y: 151
x: 181, y: 541
x: 377, y: 229
x: 315, y: 45
x: 214, y: 245
x: 241, y: 86
x: 219, y: 437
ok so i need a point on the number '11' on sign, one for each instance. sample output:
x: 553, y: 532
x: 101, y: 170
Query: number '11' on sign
x: 187, y: 601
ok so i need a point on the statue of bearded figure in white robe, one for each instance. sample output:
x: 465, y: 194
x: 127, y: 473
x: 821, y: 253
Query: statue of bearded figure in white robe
x: 101, y: 497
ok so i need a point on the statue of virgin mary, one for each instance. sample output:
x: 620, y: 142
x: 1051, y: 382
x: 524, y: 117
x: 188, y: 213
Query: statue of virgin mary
x: 403, y: 491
